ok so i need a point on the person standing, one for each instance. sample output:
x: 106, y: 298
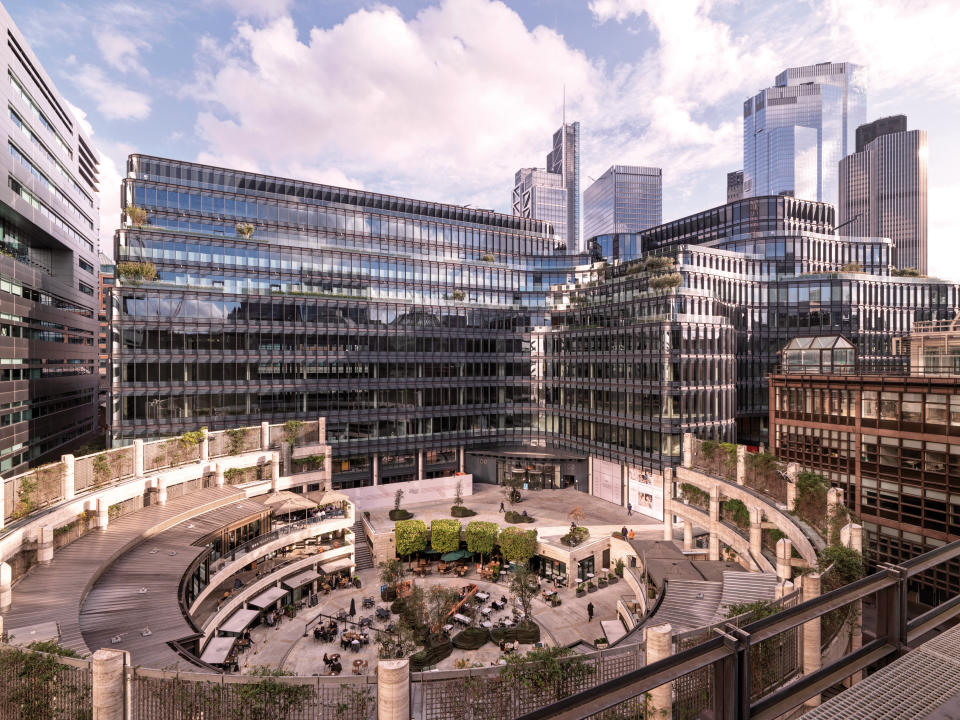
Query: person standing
x: 590, y: 612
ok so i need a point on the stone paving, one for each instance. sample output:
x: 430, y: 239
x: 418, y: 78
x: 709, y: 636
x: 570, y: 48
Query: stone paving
x: 286, y: 646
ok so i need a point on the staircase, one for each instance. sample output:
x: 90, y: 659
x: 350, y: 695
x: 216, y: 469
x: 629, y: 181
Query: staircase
x: 362, y: 557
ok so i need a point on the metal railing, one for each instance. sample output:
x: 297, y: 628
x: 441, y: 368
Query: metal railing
x: 728, y: 654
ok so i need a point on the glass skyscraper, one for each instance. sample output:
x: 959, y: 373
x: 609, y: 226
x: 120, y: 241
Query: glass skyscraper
x: 796, y: 132
x: 625, y: 199
x: 49, y: 225
x: 564, y: 160
x: 540, y: 195
x: 883, y: 189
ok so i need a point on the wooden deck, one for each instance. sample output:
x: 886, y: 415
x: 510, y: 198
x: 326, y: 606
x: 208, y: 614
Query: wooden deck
x: 55, y: 592
x: 137, y: 598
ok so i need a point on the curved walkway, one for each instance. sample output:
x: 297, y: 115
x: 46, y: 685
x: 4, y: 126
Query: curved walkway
x: 55, y: 592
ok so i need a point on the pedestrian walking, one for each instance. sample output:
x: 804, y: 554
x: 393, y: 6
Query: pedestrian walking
x: 501, y: 506
x: 589, y: 612
x: 629, y: 509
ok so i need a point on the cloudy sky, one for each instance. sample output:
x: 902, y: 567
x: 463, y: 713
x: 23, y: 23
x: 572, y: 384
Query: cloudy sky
x: 445, y: 99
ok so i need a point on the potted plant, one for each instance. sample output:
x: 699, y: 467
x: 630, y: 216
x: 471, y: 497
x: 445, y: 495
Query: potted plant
x: 612, y: 579
x: 581, y: 590
x: 602, y: 581
x: 601, y: 643
x: 618, y: 568
x: 356, y: 582
x: 591, y: 587
x: 366, y: 514
x: 290, y: 610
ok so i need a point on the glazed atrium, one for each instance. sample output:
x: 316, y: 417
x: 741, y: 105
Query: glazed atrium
x: 425, y: 332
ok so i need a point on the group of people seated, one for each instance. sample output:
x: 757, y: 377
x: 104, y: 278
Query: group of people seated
x: 325, y: 632
x: 499, y: 604
x: 333, y: 663
x: 509, y: 647
x: 325, y: 511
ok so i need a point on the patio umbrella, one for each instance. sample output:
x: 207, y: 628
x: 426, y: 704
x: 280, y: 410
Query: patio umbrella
x: 451, y: 556
x: 431, y: 551
x: 353, y: 607
x: 285, y: 503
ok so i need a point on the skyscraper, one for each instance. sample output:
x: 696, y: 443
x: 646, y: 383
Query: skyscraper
x: 883, y: 189
x: 796, y: 132
x: 734, y: 186
x: 564, y: 159
x: 49, y: 223
x: 540, y: 195
x: 625, y: 199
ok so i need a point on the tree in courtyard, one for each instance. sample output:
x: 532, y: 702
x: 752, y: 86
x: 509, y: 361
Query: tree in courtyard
x: 481, y: 537
x: 523, y: 587
x: 518, y: 545
x: 440, y: 601
x: 445, y: 535
x: 411, y: 537
x: 392, y: 573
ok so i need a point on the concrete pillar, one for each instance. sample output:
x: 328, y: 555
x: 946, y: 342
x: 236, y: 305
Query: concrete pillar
x: 68, y: 487
x: 688, y: 450
x: 138, y: 458
x: 668, y: 504
x: 3, y: 508
x: 162, y: 490
x: 756, y: 531
x: 376, y: 469
x: 321, y: 430
x: 286, y: 458
x: 219, y: 475
x: 264, y: 436
x: 274, y: 471
x: 851, y: 536
x: 791, y: 494
x: 205, y: 445
x: 687, y: 535
x: 45, y: 544
x: 108, y: 681
x: 792, y: 471
x: 393, y: 689
x: 103, y: 514
x: 419, y: 464
x: 460, y: 454
x: 714, y: 555
x: 811, y: 634
x: 784, y: 554
x: 660, y: 646
x: 783, y: 589
x: 6, y: 586
x: 741, y: 464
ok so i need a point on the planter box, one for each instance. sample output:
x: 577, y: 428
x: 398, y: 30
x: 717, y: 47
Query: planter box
x: 580, y: 593
x: 591, y: 589
x: 614, y: 580
x: 602, y: 646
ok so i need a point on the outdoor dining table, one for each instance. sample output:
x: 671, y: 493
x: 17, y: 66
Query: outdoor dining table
x: 483, y: 596
x: 463, y: 619
x: 448, y: 627
x: 487, y: 624
x: 383, y: 613
x: 486, y: 610
x: 589, y: 576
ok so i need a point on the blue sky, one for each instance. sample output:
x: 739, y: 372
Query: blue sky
x: 444, y: 100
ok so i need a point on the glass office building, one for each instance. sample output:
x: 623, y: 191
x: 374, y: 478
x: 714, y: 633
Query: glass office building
x: 883, y: 189
x: 422, y: 330
x: 564, y: 160
x: 625, y: 199
x: 540, y: 195
x: 796, y: 132
x: 49, y: 225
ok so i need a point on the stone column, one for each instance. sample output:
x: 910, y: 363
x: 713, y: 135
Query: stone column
x: 741, y: 464
x: 419, y: 464
x: 714, y: 555
x: 138, y: 458
x: 660, y: 646
x: 393, y: 689
x: 783, y: 589
x: 264, y: 436
x: 376, y: 469
x: 274, y: 471
x: 205, y: 445
x: 68, y: 487
x: 851, y: 536
x: 687, y: 535
x: 811, y: 634
x: 45, y: 544
x: 286, y: 458
x: 218, y: 472
x: 108, y: 695
x: 103, y: 514
x: 784, y: 554
x: 3, y: 508
x: 162, y: 490
x: 6, y: 586
x: 688, y: 450
x: 756, y: 532
x: 460, y: 455
x: 321, y: 430
x: 791, y: 494
x: 834, y: 500
x: 668, y: 504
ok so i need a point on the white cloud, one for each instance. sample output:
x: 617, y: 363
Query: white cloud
x: 121, y: 51
x: 113, y: 100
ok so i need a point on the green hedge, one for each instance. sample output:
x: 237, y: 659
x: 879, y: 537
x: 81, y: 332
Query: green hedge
x: 430, y: 656
x: 470, y: 639
x: 518, y: 545
x: 400, y: 514
x: 525, y: 634
x: 411, y: 537
x: 511, y: 516
x: 462, y: 511
x: 445, y: 535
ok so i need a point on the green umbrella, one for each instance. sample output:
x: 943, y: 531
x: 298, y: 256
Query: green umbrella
x: 431, y: 551
x: 451, y: 556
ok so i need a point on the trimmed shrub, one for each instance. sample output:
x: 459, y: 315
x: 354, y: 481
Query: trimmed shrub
x: 512, y: 516
x: 411, y: 537
x: 430, y: 655
x: 400, y: 514
x: 576, y: 536
x: 518, y: 545
x: 470, y: 639
x: 461, y: 511
x: 445, y: 535
x: 527, y: 634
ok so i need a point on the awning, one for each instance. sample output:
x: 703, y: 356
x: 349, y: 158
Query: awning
x: 456, y: 555
x: 334, y: 565
x: 268, y: 597
x: 238, y: 622
x: 217, y: 650
x: 295, y: 581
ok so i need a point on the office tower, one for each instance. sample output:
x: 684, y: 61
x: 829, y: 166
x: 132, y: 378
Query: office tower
x: 734, y: 185
x: 796, y: 132
x: 564, y: 159
x: 540, y: 195
x: 880, y: 432
x: 49, y: 218
x: 625, y: 199
x: 883, y: 189
x: 107, y: 274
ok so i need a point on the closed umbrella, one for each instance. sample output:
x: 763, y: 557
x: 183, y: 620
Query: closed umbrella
x: 353, y: 607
